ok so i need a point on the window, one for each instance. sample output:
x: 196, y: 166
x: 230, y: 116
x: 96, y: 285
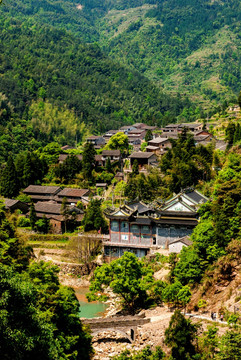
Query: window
x: 145, y: 230
x: 107, y: 251
x: 135, y: 229
x: 114, y: 225
x: 124, y: 226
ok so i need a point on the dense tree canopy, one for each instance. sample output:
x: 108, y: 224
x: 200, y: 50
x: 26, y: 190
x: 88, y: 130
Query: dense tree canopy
x: 128, y: 277
x: 220, y: 223
x: 180, y: 336
x: 185, y: 163
x: 94, y: 218
x: 39, y: 318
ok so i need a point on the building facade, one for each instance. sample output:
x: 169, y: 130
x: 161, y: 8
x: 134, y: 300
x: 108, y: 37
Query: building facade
x: 138, y: 228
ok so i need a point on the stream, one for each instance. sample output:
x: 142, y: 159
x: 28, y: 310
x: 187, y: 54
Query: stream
x: 89, y: 310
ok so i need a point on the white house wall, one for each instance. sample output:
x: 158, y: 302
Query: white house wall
x: 176, y: 247
x: 164, y: 234
x: 178, y: 207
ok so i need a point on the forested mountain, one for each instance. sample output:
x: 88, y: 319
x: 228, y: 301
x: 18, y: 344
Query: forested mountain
x: 48, y: 75
x: 191, y: 47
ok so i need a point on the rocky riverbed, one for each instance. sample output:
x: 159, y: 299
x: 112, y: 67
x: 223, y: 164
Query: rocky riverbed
x: 108, y: 344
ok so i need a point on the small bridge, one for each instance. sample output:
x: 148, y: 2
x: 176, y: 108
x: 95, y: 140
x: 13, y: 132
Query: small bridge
x: 120, y: 324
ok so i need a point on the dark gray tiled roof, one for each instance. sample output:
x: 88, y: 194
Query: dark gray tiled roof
x: 63, y: 157
x: 69, y: 192
x: 196, y: 196
x: 140, y: 207
x: 38, y: 189
x: 185, y: 240
x: 111, y: 153
x: 10, y: 202
x: 141, y: 155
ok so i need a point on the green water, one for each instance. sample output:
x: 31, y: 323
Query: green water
x: 89, y: 310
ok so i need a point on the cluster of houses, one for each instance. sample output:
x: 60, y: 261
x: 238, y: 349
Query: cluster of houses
x: 138, y: 228
x: 135, y: 227
x: 47, y: 202
x: 155, y: 148
x: 136, y: 135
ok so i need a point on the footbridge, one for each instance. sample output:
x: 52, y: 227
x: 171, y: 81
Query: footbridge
x: 125, y: 325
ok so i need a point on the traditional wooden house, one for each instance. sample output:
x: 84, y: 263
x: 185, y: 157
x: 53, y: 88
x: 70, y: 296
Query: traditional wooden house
x: 138, y: 227
x: 204, y: 132
x: 171, y: 128
x: 52, y: 211
x: 137, y: 133
x: 98, y: 160
x: 177, y: 128
x: 134, y: 140
x: 72, y: 195
x: 193, y: 127
x: 143, y: 158
x: 170, y: 135
x: 202, y: 139
x: 127, y: 128
x: 130, y: 230
x: 110, y: 133
x: 12, y: 205
x: 160, y: 144
x: 97, y: 141
x: 149, y: 127
x: 42, y: 193
x: 63, y: 157
x: 113, y: 155
x: 153, y: 149
x: 139, y: 125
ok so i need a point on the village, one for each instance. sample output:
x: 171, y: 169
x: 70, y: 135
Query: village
x: 135, y: 226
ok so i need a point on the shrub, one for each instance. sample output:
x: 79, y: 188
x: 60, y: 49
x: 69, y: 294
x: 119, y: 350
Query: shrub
x: 23, y: 222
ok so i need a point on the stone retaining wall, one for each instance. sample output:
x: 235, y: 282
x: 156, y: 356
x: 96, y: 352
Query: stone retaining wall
x: 76, y: 269
x: 117, y: 322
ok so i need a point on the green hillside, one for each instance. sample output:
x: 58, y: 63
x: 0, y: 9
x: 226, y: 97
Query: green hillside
x: 61, y: 88
x: 62, y: 14
x: 190, y: 47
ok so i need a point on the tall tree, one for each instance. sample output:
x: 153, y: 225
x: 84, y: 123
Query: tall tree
x: 65, y: 212
x: 118, y: 141
x: 239, y: 99
x: 9, y: 184
x: 230, y: 346
x: 68, y: 169
x: 12, y: 249
x: 135, y: 168
x: 108, y: 165
x: 229, y: 133
x: 32, y: 216
x: 148, y: 136
x: 93, y: 218
x: 180, y: 335
x: 88, y: 161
